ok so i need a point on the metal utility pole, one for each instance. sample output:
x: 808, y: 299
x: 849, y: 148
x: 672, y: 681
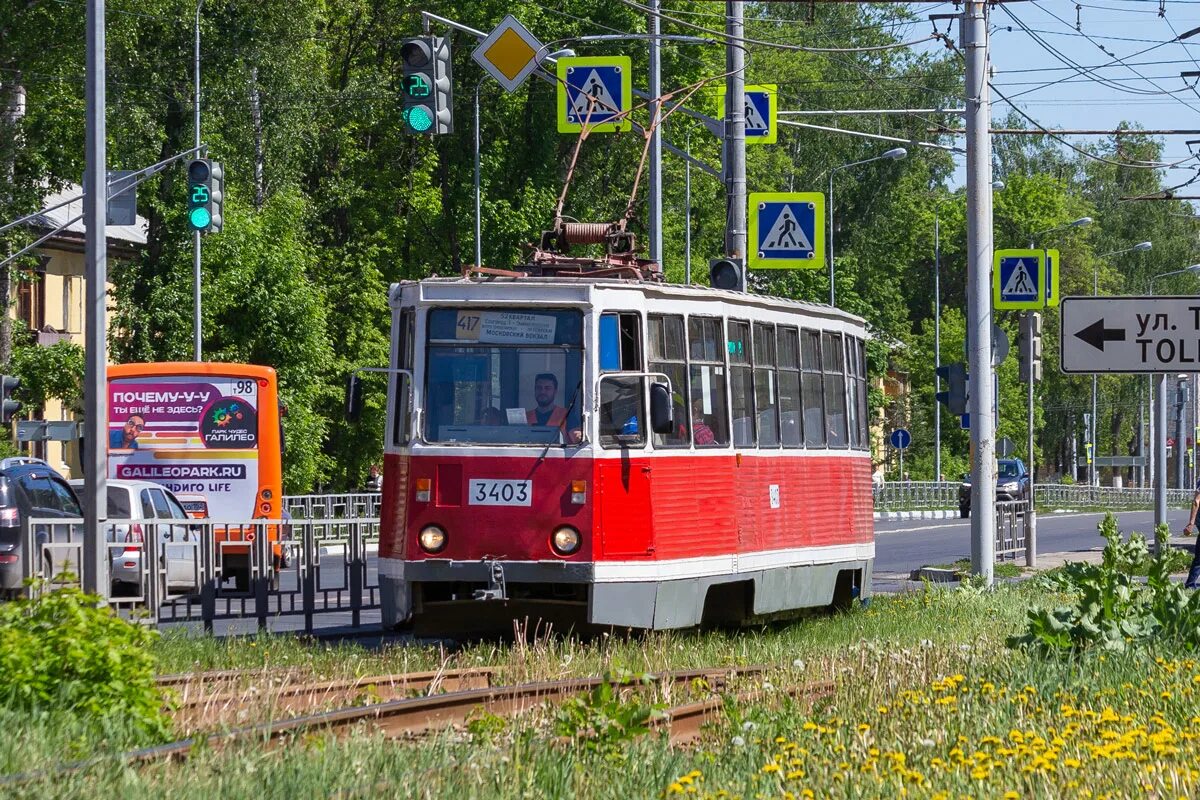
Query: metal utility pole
x: 196, y: 234
x: 1031, y: 514
x: 478, y: 207
x: 654, y: 174
x: 937, y: 346
x: 1181, y: 399
x: 979, y: 301
x: 735, y: 135
x: 1160, y: 456
x: 95, y: 201
x: 687, y: 215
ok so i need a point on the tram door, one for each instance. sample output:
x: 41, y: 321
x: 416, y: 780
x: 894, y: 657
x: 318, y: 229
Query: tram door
x: 623, y: 473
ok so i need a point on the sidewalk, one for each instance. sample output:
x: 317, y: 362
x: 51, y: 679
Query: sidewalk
x: 896, y: 582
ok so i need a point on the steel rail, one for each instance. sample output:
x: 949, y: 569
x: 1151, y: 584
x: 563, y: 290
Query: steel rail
x: 396, y: 718
x: 684, y: 723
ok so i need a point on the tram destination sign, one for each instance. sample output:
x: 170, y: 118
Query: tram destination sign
x: 1130, y: 334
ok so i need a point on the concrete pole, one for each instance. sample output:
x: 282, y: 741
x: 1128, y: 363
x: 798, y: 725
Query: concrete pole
x: 1151, y: 428
x: 1093, y: 473
x: 196, y: 319
x: 95, y: 201
x: 829, y: 239
x: 654, y: 174
x: 735, y: 135
x: 937, y: 346
x: 979, y: 301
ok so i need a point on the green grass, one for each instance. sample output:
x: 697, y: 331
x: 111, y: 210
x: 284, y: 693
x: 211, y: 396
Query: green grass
x: 890, y: 663
x: 1001, y: 569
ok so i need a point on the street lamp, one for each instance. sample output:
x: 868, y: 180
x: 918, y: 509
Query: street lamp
x: 893, y: 154
x: 1082, y: 222
x: 1140, y: 247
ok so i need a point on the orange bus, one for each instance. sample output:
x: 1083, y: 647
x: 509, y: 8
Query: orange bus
x: 202, y: 428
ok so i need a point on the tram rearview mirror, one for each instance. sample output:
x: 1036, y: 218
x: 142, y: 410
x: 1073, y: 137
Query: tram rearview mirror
x: 353, y: 397
x: 661, y: 410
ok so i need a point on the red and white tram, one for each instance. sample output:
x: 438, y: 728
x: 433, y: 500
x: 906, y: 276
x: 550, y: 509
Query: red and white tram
x: 523, y: 479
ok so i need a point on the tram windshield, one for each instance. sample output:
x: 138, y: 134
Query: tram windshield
x: 504, y: 376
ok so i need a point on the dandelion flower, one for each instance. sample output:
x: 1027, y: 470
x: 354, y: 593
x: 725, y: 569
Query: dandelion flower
x: 738, y: 741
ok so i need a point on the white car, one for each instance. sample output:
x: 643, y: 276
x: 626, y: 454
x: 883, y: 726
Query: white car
x: 152, y: 510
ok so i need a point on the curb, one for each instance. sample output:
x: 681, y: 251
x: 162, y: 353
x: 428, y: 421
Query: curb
x: 938, y: 514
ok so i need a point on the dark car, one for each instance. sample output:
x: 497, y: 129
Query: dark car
x: 1012, y: 483
x: 29, y: 487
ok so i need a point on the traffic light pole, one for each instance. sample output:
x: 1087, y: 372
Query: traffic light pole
x: 734, y: 161
x: 95, y: 455
x: 196, y: 234
x: 979, y: 305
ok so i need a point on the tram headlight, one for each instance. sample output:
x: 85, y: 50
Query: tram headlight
x: 432, y: 539
x: 566, y: 540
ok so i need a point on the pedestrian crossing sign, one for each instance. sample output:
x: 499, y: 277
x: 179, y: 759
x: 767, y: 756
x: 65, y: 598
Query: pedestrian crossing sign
x: 761, y: 111
x: 787, y: 230
x: 594, y: 91
x: 1019, y: 279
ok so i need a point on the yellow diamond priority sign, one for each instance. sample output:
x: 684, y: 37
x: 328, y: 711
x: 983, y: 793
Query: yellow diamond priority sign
x: 509, y: 53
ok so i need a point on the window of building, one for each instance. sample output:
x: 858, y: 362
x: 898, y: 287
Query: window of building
x: 833, y: 360
x: 706, y: 382
x: 812, y: 389
x: 668, y: 355
x: 791, y: 425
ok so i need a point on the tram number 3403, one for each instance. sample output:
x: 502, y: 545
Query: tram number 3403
x: 494, y: 492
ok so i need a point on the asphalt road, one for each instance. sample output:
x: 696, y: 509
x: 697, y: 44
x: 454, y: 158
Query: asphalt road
x: 905, y: 545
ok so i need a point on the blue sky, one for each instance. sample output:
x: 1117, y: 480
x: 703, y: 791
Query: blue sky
x: 1127, y: 51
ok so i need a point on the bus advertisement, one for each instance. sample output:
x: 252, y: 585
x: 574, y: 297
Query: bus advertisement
x: 202, y: 429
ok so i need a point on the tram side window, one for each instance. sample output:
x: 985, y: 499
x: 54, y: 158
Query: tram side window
x: 668, y: 355
x: 856, y: 388
x: 833, y: 359
x: 741, y: 384
x: 404, y: 360
x: 864, y: 437
x: 765, y: 385
x: 812, y: 389
x: 791, y: 427
x: 706, y: 384
x: 622, y: 417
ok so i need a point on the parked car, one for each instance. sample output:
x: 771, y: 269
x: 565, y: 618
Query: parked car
x: 152, y: 510
x: 196, y: 505
x: 29, y: 487
x: 1012, y: 483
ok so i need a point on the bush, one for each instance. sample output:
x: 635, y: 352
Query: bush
x: 62, y: 650
x: 1110, y: 609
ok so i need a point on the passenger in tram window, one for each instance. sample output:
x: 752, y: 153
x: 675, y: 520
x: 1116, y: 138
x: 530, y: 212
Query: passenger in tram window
x: 491, y: 416
x: 701, y: 433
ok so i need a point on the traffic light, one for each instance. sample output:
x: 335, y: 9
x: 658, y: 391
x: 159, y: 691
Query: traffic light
x: 955, y: 396
x: 206, y: 195
x: 427, y: 85
x: 9, y: 407
x: 1031, y: 336
x: 726, y: 273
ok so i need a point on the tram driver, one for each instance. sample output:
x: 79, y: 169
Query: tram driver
x: 546, y: 411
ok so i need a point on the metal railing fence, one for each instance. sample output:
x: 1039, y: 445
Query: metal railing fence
x: 333, y: 506
x: 208, y: 570
x: 939, y: 495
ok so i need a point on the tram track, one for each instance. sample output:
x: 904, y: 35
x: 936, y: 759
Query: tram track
x: 415, y: 716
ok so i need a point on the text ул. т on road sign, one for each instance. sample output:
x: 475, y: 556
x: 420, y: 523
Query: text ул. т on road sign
x: 787, y: 230
x: 1130, y: 334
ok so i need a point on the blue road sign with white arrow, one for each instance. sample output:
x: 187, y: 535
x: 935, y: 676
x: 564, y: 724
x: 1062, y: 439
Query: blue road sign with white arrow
x: 900, y: 439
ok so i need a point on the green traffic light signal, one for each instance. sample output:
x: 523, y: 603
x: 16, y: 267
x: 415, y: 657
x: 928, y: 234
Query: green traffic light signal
x: 417, y: 85
x: 418, y: 118
x: 200, y: 218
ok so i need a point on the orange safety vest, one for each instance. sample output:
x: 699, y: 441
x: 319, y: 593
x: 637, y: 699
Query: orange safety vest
x: 558, y: 417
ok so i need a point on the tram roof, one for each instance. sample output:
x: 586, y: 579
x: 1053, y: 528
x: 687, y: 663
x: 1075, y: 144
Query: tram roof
x: 586, y: 286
